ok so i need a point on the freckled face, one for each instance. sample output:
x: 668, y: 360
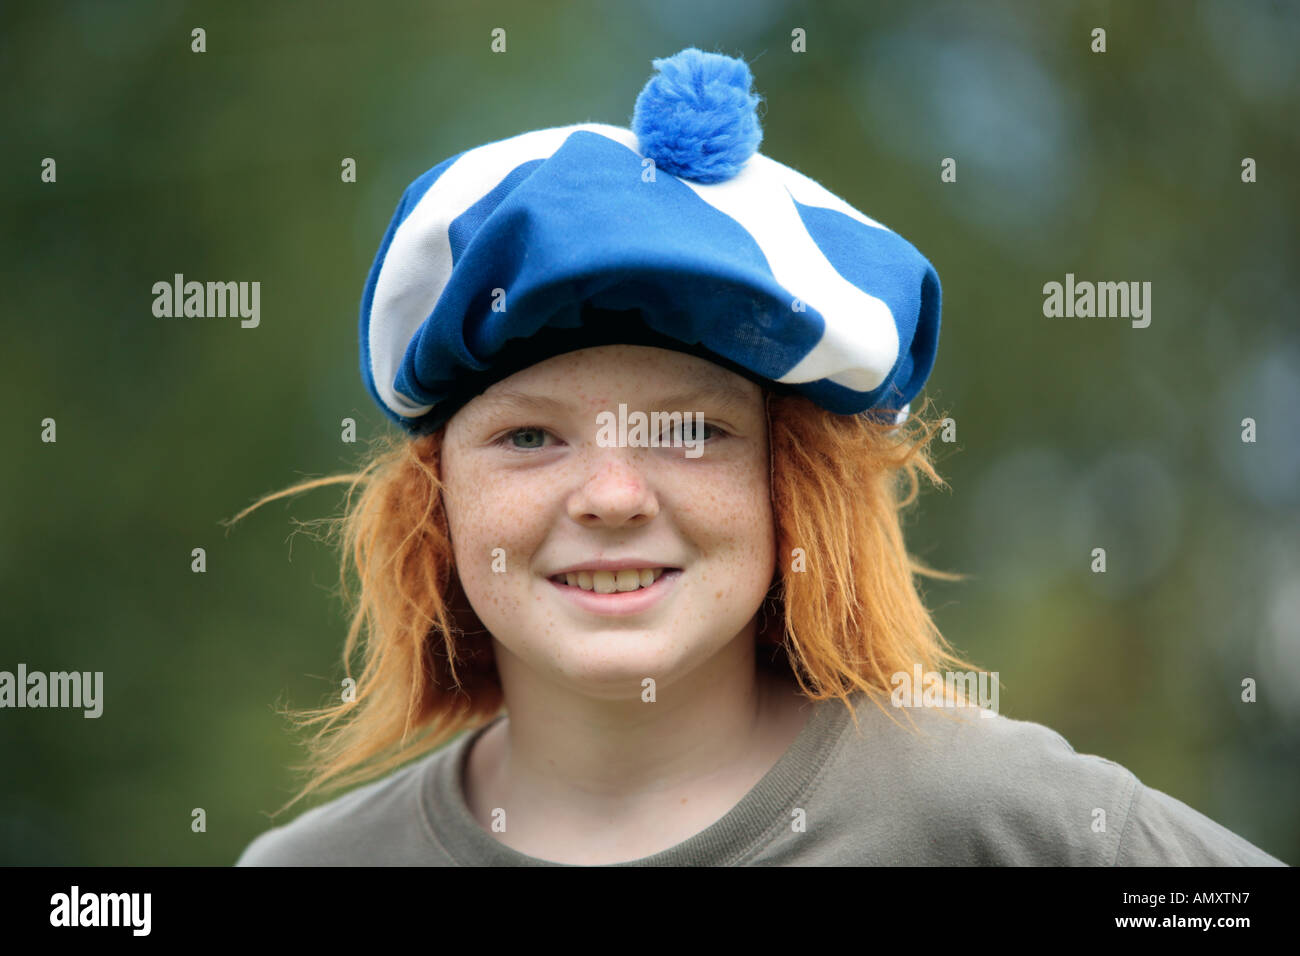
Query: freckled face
x: 527, y: 476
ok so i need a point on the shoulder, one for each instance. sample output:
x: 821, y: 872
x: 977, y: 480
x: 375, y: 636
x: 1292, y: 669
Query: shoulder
x: 984, y: 788
x: 976, y: 752
x: 960, y: 788
x: 381, y: 822
x: 1163, y: 831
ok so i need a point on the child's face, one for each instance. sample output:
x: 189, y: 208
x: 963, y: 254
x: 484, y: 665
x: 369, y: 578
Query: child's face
x: 554, y: 498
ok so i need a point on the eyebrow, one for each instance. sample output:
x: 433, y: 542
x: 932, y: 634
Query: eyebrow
x: 722, y: 393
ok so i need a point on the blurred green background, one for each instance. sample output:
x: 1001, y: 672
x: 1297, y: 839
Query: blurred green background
x: 1072, y: 433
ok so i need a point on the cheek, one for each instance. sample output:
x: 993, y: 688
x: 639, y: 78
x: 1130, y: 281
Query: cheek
x: 729, y: 515
x: 487, y: 512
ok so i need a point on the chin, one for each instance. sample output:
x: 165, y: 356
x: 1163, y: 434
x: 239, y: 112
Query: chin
x: 612, y: 665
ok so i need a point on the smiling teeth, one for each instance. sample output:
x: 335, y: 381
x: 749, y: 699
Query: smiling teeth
x: 608, y: 582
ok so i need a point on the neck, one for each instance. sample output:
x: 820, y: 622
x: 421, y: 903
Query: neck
x: 561, y: 758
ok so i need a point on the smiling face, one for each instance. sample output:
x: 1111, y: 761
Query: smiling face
x: 523, y: 471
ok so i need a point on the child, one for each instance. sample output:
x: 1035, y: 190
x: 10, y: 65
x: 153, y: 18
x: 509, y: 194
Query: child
x: 638, y: 556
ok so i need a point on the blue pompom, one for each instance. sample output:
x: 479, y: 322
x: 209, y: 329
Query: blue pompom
x: 697, y: 118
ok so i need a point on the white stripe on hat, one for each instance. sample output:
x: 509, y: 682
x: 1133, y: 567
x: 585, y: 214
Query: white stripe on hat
x: 418, y: 263
x: 859, y: 344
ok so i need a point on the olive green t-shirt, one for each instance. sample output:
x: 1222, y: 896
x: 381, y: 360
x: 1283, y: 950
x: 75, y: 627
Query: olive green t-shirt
x: 950, y: 788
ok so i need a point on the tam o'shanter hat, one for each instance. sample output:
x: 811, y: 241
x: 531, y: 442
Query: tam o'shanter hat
x: 674, y: 233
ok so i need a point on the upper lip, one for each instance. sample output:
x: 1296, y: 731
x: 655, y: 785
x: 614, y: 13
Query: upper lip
x: 610, y: 564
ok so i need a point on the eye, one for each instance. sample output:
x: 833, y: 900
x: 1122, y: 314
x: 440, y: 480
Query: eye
x: 687, y: 431
x: 530, y: 432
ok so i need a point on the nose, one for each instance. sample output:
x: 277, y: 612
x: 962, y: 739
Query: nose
x: 616, y: 495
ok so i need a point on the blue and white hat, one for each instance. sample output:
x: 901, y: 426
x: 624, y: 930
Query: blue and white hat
x: 674, y: 233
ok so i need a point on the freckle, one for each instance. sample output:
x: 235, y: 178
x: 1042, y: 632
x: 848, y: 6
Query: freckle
x: 719, y: 595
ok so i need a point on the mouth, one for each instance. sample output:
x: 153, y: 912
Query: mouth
x: 615, y: 602
x: 623, y: 581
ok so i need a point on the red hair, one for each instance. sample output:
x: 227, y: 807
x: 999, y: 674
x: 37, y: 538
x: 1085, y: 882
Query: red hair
x: 844, y: 604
